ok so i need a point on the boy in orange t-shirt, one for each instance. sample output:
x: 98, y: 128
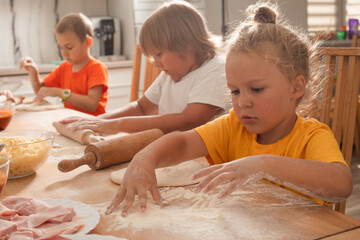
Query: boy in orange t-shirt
x: 81, y: 81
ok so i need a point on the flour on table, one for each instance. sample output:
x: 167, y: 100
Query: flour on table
x: 193, y: 216
x: 42, y: 105
x: 178, y: 175
x: 58, y: 154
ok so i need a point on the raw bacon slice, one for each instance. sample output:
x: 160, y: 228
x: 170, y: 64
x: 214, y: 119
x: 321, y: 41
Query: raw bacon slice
x: 54, y: 237
x: 6, y: 213
x: 14, y: 202
x: 27, y: 218
x: 43, y: 216
x: 6, y: 228
x: 63, y: 218
x: 22, y: 235
x: 32, y: 206
x: 21, y: 221
x: 48, y: 229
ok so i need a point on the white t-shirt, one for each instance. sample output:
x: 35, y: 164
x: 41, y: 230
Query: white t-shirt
x: 207, y: 84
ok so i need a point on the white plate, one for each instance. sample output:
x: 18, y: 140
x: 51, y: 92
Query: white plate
x: 92, y: 237
x: 84, y: 213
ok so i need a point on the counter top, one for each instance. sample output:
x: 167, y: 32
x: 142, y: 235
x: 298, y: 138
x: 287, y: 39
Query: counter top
x: 47, y: 68
x: 336, y: 43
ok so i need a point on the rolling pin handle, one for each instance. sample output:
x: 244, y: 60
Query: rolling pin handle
x: 70, y: 164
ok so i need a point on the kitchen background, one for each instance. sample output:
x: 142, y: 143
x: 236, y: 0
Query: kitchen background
x: 27, y: 26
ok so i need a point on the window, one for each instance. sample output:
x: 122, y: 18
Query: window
x: 352, y: 9
x: 328, y: 15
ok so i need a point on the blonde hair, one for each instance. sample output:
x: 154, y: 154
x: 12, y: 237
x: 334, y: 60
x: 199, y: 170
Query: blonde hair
x: 77, y: 23
x: 292, y: 51
x: 175, y: 26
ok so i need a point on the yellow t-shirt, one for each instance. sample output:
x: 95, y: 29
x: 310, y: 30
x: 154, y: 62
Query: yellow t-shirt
x: 226, y: 140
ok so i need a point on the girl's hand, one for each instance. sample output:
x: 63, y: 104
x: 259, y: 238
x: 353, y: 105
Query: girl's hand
x: 139, y: 178
x: 48, y: 92
x: 99, y: 126
x: 235, y: 173
x: 8, y: 94
x: 29, y: 65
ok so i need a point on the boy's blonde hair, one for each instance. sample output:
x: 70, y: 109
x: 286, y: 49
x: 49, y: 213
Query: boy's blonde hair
x: 175, y: 26
x: 77, y: 23
x: 289, y: 48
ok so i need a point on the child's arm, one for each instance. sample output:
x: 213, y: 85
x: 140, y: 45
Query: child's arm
x: 104, y: 123
x: 195, y: 114
x: 140, y: 119
x: 139, y: 178
x: 327, y: 181
x: 140, y: 107
x: 29, y: 65
x: 87, y: 102
x: 130, y: 109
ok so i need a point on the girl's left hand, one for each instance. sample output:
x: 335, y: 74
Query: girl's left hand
x: 234, y: 173
x: 48, y: 92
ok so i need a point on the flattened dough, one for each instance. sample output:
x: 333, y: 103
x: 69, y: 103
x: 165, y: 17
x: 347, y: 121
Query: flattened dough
x: 42, y: 105
x: 174, y: 176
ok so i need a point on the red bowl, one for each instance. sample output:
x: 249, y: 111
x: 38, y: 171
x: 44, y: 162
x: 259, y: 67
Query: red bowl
x: 6, y: 112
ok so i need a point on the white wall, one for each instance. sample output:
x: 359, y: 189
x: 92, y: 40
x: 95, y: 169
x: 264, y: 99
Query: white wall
x: 34, y: 22
x: 27, y: 27
x: 295, y: 11
x: 133, y: 13
x: 124, y: 10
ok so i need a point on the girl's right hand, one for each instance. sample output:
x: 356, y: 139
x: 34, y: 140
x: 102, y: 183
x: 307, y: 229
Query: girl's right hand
x: 139, y: 178
x: 234, y: 174
x: 29, y: 65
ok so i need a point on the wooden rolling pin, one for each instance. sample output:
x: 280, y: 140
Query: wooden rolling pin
x: 112, y: 151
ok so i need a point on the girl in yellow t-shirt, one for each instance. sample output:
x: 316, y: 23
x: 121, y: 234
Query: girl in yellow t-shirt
x: 269, y: 75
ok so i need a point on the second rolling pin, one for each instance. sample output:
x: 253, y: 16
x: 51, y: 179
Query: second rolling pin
x: 112, y: 151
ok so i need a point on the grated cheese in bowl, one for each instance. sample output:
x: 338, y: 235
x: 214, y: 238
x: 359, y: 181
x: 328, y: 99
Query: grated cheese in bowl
x: 27, y: 150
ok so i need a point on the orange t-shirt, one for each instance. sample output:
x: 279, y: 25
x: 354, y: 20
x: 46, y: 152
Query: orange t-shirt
x: 94, y: 73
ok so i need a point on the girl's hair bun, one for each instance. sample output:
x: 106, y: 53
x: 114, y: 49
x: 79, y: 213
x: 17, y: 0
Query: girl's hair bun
x: 262, y: 14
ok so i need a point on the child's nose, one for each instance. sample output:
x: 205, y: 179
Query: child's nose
x: 244, y: 101
x: 63, y: 53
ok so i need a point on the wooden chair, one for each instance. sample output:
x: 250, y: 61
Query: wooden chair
x: 355, y: 43
x: 151, y: 73
x: 337, y: 108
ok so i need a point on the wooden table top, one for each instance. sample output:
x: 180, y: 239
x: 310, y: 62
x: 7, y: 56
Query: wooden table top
x: 353, y: 234
x: 258, y: 211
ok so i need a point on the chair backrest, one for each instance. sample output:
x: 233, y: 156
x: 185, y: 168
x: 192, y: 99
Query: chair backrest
x: 151, y: 73
x: 337, y: 103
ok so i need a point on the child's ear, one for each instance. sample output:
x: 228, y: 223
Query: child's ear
x: 298, y: 87
x: 89, y: 41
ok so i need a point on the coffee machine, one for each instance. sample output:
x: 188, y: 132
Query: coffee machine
x: 107, y: 37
